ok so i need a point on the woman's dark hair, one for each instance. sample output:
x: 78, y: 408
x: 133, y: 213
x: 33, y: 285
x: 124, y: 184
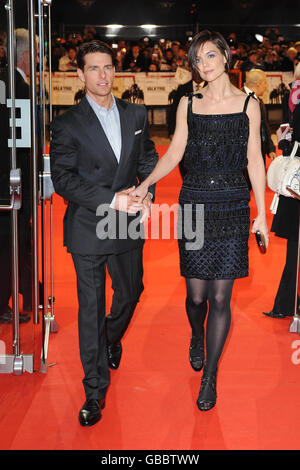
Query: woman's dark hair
x: 92, y: 47
x: 201, y: 38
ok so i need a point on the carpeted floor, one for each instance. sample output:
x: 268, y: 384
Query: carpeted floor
x: 151, y: 403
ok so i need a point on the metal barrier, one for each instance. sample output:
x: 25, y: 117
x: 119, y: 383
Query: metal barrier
x: 37, y: 111
x: 46, y: 187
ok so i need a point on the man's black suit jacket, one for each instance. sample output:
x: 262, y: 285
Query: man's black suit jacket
x: 23, y: 154
x: 267, y: 145
x: 85, y: 171
x: 181, y: 91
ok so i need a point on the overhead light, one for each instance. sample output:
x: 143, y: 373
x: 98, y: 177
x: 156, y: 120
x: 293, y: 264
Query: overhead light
x: 112, y: 30
x: 114, y: 26
x: 148, y: 26
x: 259, y: 37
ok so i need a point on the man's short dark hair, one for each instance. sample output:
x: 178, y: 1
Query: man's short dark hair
x: 92, y: 47
x: 201, y: 38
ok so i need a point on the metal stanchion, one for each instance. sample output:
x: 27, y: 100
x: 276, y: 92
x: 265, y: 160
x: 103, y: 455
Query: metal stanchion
x: 34, y: 166
x: 16, y: 362
x: 42, y: 188
x: 46, y: 187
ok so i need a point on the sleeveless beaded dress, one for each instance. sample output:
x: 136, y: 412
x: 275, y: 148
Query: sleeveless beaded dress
x: 215, y: 157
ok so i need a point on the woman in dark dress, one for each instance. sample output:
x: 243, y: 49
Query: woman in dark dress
x: 218, y: 131
x: 286, y: 220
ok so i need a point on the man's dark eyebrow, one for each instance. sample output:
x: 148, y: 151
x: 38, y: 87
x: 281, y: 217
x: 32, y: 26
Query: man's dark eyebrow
x: 96, y: 65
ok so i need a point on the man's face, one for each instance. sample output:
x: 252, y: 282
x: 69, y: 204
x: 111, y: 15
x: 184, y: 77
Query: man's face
x: 175, y: 48
x: 98, y: 74
x: 261, y: 87
x: 72, y: 54
x: 292, y: 54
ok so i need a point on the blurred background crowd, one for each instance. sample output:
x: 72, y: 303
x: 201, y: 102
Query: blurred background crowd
x: 269, y: 52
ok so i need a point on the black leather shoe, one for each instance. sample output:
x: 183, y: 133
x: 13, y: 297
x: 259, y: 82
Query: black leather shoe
x: 6, y: 317
x: 273, y: 314
x: 196, y: 352
x: 27, y: 308
x: 24, y: 317
x: 90, y: 413
x: 114, y: 353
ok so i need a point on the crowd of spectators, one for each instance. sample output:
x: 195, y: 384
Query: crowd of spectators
x: 271, y: 51
x: 134, y: 56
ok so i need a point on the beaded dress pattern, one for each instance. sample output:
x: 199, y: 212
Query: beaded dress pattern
x: 215, y: 157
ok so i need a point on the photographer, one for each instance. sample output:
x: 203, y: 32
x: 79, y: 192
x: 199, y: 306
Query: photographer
x: 67, y: 63
x: 134, y: 60
x: 286, y: 220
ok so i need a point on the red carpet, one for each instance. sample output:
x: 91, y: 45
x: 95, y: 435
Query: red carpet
x: 151, y: 402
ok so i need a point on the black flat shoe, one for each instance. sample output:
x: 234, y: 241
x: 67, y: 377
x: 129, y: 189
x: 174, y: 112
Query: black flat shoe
x: 6, y: 317
x: 114, y: 353
x: 208, y: 391
x: 90, y: 413
x: 273, y: 314
x: 196, y: 352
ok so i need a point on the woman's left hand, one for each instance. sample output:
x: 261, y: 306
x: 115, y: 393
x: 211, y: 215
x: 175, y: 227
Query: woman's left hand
x: 281, y: 134
x: 260, y: 225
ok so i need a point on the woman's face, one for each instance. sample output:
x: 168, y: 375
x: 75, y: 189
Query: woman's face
x: 210, y: 61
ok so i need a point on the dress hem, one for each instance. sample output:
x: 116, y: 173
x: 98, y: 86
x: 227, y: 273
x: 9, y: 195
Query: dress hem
x: 215, y: 278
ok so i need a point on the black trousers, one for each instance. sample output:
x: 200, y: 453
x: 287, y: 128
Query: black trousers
x: 285, y: 297
x: 94, y: 327
x: 25, y: 258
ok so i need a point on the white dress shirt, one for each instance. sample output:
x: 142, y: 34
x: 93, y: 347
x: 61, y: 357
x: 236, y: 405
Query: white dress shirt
x: 110, y: 122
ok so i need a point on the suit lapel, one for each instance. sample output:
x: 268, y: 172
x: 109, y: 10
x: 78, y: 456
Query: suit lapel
x: 99, y: 139
x: 96, y: 132
x: 127, y: 123
x: 127, y: 128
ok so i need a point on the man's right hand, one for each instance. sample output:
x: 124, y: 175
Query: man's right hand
x: 126, y: 202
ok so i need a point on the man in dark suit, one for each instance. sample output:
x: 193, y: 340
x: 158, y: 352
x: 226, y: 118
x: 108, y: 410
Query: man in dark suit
x: 285, y: 222
x: 100, y: 150
x: 256, y: 84
x: 24, y: 214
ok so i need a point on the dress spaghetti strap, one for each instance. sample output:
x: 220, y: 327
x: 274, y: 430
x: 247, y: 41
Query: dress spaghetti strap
x: 190, y: 103
x: 247, y: 101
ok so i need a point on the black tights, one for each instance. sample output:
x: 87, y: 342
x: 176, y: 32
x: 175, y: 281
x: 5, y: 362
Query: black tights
x: 216, y: 293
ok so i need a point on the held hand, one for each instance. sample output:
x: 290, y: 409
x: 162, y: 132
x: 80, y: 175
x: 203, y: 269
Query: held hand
x: 260, y: 225
x: 147, y: 202
x: 125, y: 202
x: 272, y: 155
x: 140, y: 193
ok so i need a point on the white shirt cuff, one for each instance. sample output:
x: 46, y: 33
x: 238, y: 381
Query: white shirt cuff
x: 113, y: 202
